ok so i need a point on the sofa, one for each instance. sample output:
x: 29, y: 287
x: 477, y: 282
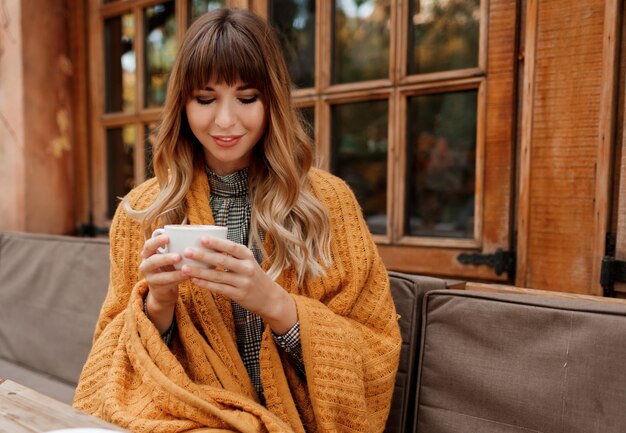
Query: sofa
x: 471, y: 360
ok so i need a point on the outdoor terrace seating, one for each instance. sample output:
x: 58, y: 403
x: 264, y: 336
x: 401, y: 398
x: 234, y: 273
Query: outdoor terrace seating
x: 488, y: 359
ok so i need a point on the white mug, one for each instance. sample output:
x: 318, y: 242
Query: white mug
x: 188, y: 236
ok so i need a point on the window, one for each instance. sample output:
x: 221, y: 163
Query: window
x: 413, y: 107
x: 411, y: 103
x: 132, y: 54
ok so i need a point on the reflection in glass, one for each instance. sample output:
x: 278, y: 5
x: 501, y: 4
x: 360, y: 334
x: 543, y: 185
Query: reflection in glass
x: 308, y: 120
x: 360, y: 40
x: 160, y: 31
x: 359, y: 156
x: 150, y: 131
x: 119, y: 39
x: 443, y: 35
x: 120, y: 164
x: 441, y: 165
x: 294, y: 21
x: 198, y: 7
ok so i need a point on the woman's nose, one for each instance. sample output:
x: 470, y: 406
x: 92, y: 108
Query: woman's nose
x: 225, y: 116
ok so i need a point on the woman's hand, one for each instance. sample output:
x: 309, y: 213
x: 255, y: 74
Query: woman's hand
x: 163, y: 279
x: 244, y: 282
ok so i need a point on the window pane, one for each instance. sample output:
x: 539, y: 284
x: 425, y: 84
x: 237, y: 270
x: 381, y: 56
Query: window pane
x: 120, y: 165
x: 308, y: 120
x: 149, y: 141
x: 359, y: 156
x: 198, y: 7
x: 443, y: 35
x: 294, y: 21
x: 160, y: 31
x: 441, y: 165
x: 120, y: 63
x: 360, y: 40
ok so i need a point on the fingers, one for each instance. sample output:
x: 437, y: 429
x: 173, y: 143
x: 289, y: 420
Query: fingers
x: 228, y: 290
x: 150, y: 247
x: 234, y: 249
x: 158, y: 263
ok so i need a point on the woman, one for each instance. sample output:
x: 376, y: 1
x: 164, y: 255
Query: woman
x: 292, y: 328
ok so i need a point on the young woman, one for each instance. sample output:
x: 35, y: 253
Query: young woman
x: 293, y: 327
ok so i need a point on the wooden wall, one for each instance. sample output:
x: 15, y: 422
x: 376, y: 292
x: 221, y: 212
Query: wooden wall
x: 560, y: 219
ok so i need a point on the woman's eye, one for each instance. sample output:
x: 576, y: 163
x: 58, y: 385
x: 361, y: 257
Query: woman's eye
x: 204, y: 101
x: 249, y: 100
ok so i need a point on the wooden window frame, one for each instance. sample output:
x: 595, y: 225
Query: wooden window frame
x: 494, y: 142
x: 140, y: 117
x: 399, y: 251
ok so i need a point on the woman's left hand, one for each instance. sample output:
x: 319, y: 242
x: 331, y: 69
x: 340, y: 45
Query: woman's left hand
x: 244, y: 282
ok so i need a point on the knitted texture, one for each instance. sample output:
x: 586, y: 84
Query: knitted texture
x: 348, y: 325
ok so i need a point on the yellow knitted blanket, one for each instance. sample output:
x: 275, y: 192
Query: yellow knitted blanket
x: 348, y: 326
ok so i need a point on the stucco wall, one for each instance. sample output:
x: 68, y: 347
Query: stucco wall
x: 36, y: 165
x: 12, y: 193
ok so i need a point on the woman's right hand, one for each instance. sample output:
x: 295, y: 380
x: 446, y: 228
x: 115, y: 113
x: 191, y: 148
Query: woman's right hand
x: 163, y: 279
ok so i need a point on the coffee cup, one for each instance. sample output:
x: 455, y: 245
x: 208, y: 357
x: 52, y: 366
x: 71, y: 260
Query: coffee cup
x: 183, y: 236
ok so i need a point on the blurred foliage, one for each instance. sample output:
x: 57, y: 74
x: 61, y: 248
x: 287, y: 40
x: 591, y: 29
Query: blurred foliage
x: 441, y: 164
x: 360, y: 40
x: 359, y: 155
x: 160, y: 43
x: 294, y: 21
x: 444, y: 35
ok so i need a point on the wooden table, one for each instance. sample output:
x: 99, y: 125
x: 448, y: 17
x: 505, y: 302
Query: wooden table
x: 23, y: 410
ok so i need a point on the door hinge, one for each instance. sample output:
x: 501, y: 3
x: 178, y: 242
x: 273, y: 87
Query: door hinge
x: 612, y: 271
x: 501, y: 261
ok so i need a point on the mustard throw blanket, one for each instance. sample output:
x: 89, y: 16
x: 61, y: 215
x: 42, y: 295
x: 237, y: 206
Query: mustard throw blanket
x: 349, y: 334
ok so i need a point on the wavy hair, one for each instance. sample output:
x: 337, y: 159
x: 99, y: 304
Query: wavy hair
x: 228, y: 46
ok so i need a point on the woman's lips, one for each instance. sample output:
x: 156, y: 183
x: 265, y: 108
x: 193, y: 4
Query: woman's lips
x: 226, y: 140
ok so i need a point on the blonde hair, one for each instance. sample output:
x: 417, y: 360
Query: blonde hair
x: 231, y: 45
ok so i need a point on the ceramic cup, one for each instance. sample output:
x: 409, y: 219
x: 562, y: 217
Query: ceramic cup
x: 188, y: 236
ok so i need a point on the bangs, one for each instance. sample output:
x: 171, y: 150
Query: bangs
x: 228, y: 55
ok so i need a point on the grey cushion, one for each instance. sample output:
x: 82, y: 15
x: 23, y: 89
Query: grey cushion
x: 518, y: 363
x: 51, y: 290
x: 407, y: 292
x: 44, y: 383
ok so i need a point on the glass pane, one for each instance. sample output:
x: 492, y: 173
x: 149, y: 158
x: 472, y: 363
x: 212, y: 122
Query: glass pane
x: 443, y: 35
x: 119, y: 40
x: 360, y: 40
x: 149, y: 141
x: 294, y: 21
x: 359, y: 156
x: 308, y: 120
x: 441, y: 165
x: 198, y: 7
x: 120, y: 165
x: 160, y: 31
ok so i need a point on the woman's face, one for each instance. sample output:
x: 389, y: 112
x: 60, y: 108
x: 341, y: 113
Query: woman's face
x: 228, y: 121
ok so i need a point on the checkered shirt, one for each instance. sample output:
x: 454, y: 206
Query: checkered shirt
x: 231, y: 207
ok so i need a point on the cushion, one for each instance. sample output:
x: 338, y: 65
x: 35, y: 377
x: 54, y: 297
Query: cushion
x: 51, y: 290
x: 407, y: 292
x: 519, y: 363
